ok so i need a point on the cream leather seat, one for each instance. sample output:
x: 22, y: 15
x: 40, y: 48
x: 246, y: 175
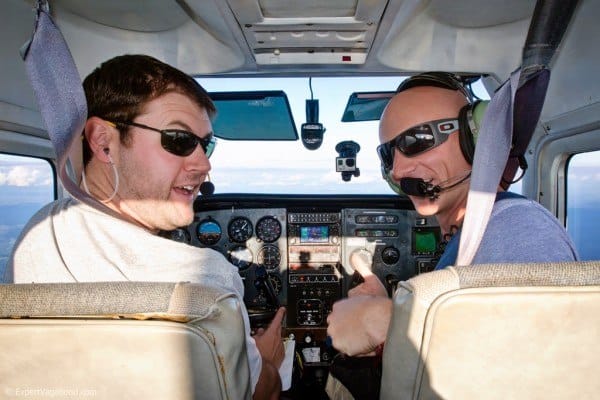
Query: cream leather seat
x: 122, y: 340
x: 528, y: 331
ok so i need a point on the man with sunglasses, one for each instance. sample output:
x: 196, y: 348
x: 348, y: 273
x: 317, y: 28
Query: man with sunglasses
x: 422, y: 153
x: 146, y: 145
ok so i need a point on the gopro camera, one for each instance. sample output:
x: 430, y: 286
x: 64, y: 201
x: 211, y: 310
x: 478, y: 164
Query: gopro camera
x: 346, y: 162
x: 343, y: 164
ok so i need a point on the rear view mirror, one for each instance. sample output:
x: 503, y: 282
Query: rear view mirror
x: 366, y: 106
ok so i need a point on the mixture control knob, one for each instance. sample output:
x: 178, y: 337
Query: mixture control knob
x: 390, y: 255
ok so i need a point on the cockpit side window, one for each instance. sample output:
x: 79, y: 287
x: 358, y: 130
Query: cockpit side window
x: 26, y: 184
x: 583, y: 197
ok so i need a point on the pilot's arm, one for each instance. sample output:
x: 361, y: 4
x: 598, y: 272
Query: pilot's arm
x: 270, y: 347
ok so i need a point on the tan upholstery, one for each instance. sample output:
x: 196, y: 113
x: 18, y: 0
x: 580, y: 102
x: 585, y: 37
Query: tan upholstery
x: 121, y: 340
x: 520, y: 331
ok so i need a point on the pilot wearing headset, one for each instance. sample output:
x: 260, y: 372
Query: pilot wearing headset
x: 428, y: 133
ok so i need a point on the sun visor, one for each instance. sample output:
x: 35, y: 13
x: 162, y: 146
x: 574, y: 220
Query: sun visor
x: 366, y: 106
x: 253, y: 115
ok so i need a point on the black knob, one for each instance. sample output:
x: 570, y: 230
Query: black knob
x: 390, y: 255
x: 308, y: 339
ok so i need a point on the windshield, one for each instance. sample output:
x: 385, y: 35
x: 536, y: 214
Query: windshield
x: 276, y: 167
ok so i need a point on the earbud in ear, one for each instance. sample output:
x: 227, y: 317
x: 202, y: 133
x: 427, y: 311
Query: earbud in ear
x: 106, y: 151
x: 110, y: 160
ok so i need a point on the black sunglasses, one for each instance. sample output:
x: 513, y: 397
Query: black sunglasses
x: 416, y: 140
x: 177, y: 141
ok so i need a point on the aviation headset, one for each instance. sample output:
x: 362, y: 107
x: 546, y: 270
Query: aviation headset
x: 469, y: 116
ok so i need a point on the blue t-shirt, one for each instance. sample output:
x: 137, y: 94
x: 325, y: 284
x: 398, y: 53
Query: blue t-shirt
x: 519, y: 231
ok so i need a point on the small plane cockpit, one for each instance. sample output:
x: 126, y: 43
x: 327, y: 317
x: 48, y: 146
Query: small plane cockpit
x: 303, y: 177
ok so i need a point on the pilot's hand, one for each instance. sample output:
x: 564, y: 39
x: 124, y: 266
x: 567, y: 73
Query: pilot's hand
x: 269, y: 342
x: 359, y: 324
x: 362, y: 261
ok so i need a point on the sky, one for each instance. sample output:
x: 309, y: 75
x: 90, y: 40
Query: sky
x: 24, y: 172
x: 25, y: 180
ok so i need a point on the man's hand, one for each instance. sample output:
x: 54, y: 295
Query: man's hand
x: 362, y: 261
x: 359, y: 324
x: 269, y: 342
x: 270, y: 347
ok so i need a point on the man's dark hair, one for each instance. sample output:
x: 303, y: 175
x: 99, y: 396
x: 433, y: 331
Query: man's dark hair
x: 121, y: 87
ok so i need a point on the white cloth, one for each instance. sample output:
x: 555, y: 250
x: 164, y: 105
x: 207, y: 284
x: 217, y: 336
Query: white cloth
x: 69, y: 241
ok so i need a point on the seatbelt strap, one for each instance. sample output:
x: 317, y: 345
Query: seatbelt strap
x: 489, y: 161
x: 501, y: 143
x: 60, y: 96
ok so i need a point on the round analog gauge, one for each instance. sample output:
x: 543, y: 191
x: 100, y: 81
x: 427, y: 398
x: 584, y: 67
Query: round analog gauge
x: 241, y: 257
x: 268, y: 229
x: 276, y: 283
x: 269, y: 256
x: 208, y: 232
x: 240, y: 229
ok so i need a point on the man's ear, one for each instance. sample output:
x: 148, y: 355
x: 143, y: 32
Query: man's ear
x: 102, y: 138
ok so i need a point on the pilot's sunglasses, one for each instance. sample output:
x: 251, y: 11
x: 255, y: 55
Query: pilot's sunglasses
x: 177, y: 141
x: 416, y: 140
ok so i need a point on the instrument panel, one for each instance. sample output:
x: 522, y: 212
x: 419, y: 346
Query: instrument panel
x: 290, y: 252
x: 250, y: 239
x: 295, y: 250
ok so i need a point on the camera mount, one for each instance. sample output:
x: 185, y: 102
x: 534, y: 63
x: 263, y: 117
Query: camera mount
x: 346, y: 162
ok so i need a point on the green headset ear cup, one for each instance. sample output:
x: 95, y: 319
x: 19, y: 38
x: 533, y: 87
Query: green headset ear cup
x: 393, y: 185
x: 478, y: 112
x: 469, y: 121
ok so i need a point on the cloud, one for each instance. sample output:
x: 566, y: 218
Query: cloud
x: 23, y: 176
x: 584, y: 175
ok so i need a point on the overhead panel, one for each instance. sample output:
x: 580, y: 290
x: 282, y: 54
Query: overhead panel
x: 309, y: 32
x: 152, y: 16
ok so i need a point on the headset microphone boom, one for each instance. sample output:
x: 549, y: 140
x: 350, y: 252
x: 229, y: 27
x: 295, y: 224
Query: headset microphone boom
x: 420, y: 188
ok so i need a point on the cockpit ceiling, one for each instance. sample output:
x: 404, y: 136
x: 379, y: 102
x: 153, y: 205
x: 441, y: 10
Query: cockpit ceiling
x: 309, y: 32
x: 309, y: 37
x: 129, y: 15
x: 254, y: 36
x: 465, y: 35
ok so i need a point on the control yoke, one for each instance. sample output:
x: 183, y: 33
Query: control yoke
x: 263, y: 283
